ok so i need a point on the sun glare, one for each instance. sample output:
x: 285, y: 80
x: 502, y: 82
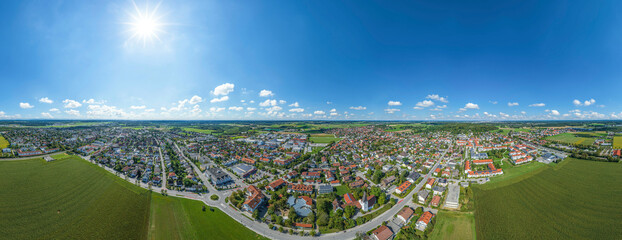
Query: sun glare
x: 145, y: 24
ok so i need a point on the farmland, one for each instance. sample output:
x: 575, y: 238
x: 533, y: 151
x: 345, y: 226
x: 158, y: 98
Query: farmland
x: 617, y: 142
x: 574, y: 138
x: 3, y: 142
x: 180, y: 218
x: 454, y: 225
x: 69, y: 199
x: 513, y: 174
x: 585, y: 194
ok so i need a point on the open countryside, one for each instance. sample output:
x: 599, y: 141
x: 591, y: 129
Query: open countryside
x: 585, y: 194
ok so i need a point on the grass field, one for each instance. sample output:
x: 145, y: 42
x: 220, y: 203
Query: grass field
x: 206, y: 131
x: 574, y: 200
x: 617, y: 142
x: 179, y: 218
x: 341, y: 190
x: 512, y: 174
x: 69, y: 199
x: 3, y: 143
x: 72, y: 199
x: 574, y: 138
x: 323, y: 139
x: 453, y: 225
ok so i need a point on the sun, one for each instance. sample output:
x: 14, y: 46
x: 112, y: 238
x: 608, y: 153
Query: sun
x: 145, y: 24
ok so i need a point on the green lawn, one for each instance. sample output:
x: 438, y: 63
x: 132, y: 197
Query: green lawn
x: 323, y: 139
x: 574, y: 200
x: 617, y: 142
x: 3, y: 143
x: 512, y: 174
x: 180, y: 218
x: 69, y: 199
x: 72, y: 199
x: 341, y: 190
x: 453, y: 225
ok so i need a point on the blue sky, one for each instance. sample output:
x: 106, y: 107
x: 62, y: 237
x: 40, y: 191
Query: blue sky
x: 407, y: 60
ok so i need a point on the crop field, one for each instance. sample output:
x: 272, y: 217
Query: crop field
x: 69, y: 199
x: 453, y: 225
x: 617, y: 142
x: 512, y: 174
x: 574, y: 200
x: 3, y: 143
x: 574, y: 138
x: 180, y: 218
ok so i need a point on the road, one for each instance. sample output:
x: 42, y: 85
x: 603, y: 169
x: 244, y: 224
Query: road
x: 162, y: 165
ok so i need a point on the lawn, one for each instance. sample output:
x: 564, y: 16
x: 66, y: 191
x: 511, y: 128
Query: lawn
x: 3, y: 143
x: 574, y: 200
x: 180, y: 218
x: 617, y: 142
x: 512, y: 174
x: 453, y: 225
x: 341, y: 190
x: 69, y: 199
x: 324, y: 139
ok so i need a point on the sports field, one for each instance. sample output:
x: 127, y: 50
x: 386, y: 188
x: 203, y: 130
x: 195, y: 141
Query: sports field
x: 453, y: 225
x: 574, y: 200
x: 323, y: 138
x: 617, y: 142
x: 180, y: 218
x: 3, y: 143
x: 69, y: 199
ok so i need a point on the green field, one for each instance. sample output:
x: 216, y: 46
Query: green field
x: 453, y: 225
x: 512, y: 174
x: 617, y: 142
x: 206, y: 131
x: 341, y: 190
x: 574, y: 200
x: 323, y: 139
x: 3, y: 143
x: 180, y: 218
x: 72, y: 199
x: 69, y: 199
x: 574, y: 138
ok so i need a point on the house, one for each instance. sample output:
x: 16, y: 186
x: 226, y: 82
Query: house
x: 442, y: 182
x: 325, y: 189
x: 413, y: 177
x: 357, y: 184
x: 403, y: 188
x: 436, y: 200
x: 300, y: 188
x: 313, y: 175
x: 424, y: 220
x: 248, y: 161
x: 367, y: 203
x: 430, y: 183
x: 388, y: 180
x: 282, y: 162
x: 336, y: 205
x: 276, y: 184
x: 6, y: 150
x: 405, y: 214
x: 303, y: 225
x: 302, y: 205
x: 438, y: 190
x: 254, y: 199
x: 218, y: 176
x: 243, y: 170
x: 382, y: 233
x: 422, y: 196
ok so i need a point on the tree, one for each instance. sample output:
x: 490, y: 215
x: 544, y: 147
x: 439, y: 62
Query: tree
x: 322, y: 219
x: 349, y: 211
x: 312, y: 233
x: 256, y: 214
x: 292, y: 214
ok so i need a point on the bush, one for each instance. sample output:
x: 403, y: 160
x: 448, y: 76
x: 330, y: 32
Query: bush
x: 214, y: 197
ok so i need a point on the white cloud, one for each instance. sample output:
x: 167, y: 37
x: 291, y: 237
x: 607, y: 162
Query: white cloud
x: 512, y: 104
x: 215, y: 109
x: 54, y: 110
x: 46, y: 100
x: 138, y: 107
x: 471, y: 106
x: 333, y: 110
x: 294, y: 104
x: 334, y: 114
x: 358, y: 108
x: 73, y: 112
x: 319, y: 112
x: 196, y: 110
x: 25, y: 105
x: 105, y: 111
x: 150, y: 110
x: 554, y: 112
x: 576, y: 102
x: 47, y: 115
x: 92, y: 101
x: 223, y: 89
x: 221, y: 99
x: 493, y: 102
x: 266, y: 93
x: 329, y: 103
x: 268, y: 102
x: 504, y: 115
x: 298, y: 110
x: 234, y: 108
x: 72, y: 104
x: 425, y: 103
x: 437, y: 98
x: 523, y: 112
x: 391, y: 110
x: 251, y: 109
x: 537, y: 105
x: 394, y: 103
x: 196, y: 99
x: 274, y: 109
x: 282, y: 102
